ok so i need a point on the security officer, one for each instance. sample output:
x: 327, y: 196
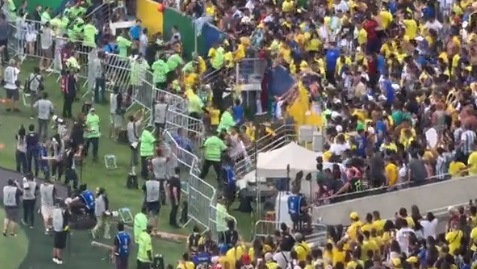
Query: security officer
x: 122, y: 244
x: 87, y: 197
x: 101, y: 210
x: 11, y: 200
x: 297, y: 208
x: 159, y: 115
x: 152, y: 189
x: 144, y: 253
x: 30, y: 189
x: 92, y: 133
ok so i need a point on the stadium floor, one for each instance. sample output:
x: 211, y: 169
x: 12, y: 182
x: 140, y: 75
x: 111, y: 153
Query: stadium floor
x: 31, y: 249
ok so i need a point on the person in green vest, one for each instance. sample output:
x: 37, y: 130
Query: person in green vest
x: 226, y: 121
x: 174, y: 61
x: 90, y: 32
x: 55, y: 24
x: 213, y: 149
x: 75, y: 31
x: 176, y: 86
x: 123, y: 44
x: 45, y: 15
x: 12, y: 10
x: 195, y: 104
x: 140, y: 223
x: 159, y: 71
x: 139, y: 67
x: 217, y: 59
x: 146, y: 149
x: 92, y: 133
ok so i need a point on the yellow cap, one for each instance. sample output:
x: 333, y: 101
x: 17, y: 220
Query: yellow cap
x: 412, y: 259
x: 396, y: 262
x: 353, y: 215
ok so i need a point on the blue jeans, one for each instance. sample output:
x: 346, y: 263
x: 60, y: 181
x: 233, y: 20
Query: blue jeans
x: 22, y: 166
x: 99, y: 90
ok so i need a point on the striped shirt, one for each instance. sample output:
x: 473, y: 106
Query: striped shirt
x: 457, y: 134
x: 467, y: 141
x: 442, y: 164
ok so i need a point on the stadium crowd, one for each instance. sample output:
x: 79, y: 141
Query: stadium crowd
x: 391, y: 78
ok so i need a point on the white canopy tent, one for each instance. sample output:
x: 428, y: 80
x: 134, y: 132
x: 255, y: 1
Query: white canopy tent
x: 273, y: 164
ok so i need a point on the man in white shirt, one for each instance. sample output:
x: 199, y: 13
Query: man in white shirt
x: 10, y: 78
x: 11, y: 202
x: 403, y: 235
x: 47, y: 199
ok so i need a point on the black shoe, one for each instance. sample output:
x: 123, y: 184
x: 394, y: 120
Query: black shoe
x: 16, y: 110
x: 8, y: 109
x: 5, y: 234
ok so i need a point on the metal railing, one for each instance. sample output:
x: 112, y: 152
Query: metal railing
x: 25, y: 40
x: 381, y: 190
x: 318, y: 236
x: 281, y: 136
x: 202, y: 197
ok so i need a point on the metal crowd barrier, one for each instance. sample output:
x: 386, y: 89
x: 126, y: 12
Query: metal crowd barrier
x: 202, y: 197
x: 194, y: 127
x: 282, y: 136
x: 119, y: 72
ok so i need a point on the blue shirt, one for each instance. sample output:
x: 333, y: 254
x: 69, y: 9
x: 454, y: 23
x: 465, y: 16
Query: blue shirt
x: 124, y: 240
x: 201, y: 258
x: 238, y: 114
x: 331, y: 58
x: 182, y: 142
x: 88, y: 199
x: 135, y: 32
x: 229, y: 175
x: 381, y: 64
x: 362, y: 142
x: 389, y: 90
x: 294, y: 204
x: 111, y: 48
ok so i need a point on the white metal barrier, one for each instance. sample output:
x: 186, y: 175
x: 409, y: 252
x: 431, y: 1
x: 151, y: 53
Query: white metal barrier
x: 202, y: 197
x: 26, y: 41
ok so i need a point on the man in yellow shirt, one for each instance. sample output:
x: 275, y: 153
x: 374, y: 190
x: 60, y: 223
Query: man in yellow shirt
x: 472, y: 162
x: 301, y: 247
x: 392, y: 171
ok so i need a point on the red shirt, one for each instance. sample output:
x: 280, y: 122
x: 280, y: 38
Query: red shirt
x: 370, y: 28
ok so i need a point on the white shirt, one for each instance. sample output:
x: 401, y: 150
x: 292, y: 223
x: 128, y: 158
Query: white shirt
x: 143, y: 41
x: 338, y: 149
x: 429, y: 228
x: 282, y: 258
x: 11, y: 76
x: 435, y: 25
x: 402, y: 236
x: 342, y: 6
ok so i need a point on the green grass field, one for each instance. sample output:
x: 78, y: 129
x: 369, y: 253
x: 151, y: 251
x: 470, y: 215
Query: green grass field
x: 95, y: 175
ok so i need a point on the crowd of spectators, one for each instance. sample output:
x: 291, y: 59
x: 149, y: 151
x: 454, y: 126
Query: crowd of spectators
x: 394, y: 80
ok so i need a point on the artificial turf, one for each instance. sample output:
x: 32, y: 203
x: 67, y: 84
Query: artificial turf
x: 95, y: 175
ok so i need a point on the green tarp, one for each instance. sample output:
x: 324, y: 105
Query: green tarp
x: 54, y: 5
x: 186, y: 27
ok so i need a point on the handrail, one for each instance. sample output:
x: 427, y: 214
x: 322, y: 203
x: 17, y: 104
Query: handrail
x: 380, y: 190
